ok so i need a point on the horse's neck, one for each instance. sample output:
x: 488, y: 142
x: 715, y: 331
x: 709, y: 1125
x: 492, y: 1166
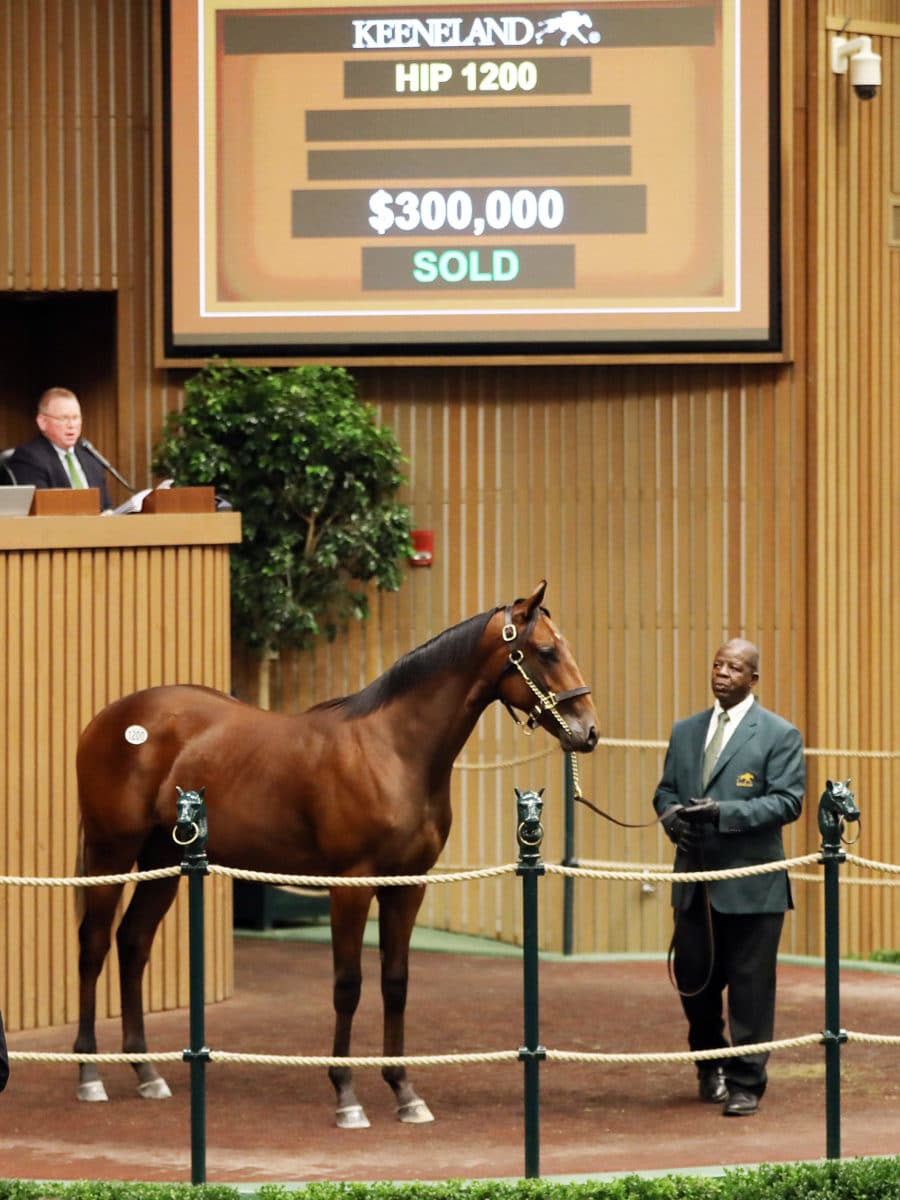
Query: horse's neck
x: 440, y: 719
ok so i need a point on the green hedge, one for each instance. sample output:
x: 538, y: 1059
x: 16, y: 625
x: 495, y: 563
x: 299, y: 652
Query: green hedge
x: 847, y: 1179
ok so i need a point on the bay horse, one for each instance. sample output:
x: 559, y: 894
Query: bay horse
x: 357, y: 786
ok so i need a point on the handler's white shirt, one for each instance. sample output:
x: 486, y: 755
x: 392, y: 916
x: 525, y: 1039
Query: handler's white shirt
x: 735, y: 716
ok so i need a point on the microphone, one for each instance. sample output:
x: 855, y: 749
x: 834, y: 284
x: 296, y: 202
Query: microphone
x: 92, y: 450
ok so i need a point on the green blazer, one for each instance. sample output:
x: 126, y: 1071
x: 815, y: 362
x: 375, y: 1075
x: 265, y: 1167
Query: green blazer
x: 758, y: 782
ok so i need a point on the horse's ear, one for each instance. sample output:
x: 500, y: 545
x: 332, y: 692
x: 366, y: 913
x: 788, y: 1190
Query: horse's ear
x: 534, y: 601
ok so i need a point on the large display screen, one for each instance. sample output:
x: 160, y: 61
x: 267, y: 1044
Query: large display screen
x: 423, y: 179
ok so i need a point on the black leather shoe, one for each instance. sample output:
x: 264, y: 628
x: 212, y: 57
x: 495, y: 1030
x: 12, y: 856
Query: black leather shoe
x: 741, y: 1104
x: 712, y: 1087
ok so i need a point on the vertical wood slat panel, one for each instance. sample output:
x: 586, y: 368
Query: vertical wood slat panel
x: 42, y: 591
x: 621, y: 517
x: 855, y: 576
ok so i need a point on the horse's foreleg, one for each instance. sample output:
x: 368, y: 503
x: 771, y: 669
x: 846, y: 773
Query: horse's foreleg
x: 93, y: 945
x: 134, y: 939
x: 397, y: 915
x: 349, y: 910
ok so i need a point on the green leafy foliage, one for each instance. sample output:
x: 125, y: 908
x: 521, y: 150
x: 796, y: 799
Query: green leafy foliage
x: 301, y: 457
x: 848, y: 1179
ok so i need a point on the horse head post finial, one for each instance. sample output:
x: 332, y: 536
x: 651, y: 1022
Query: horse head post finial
x: 530, y: 831
x: 191, y: 827
x: 837, y: 805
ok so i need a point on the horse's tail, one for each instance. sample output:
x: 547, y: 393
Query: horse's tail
x: 79, y: 872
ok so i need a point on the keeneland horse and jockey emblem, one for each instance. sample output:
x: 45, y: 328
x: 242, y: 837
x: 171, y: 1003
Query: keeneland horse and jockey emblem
x: 568, y: 24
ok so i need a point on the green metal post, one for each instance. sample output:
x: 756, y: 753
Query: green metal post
x: 530, y: 834
x: 835, y: 805
x: 569, y: 859
x: 190, y: 832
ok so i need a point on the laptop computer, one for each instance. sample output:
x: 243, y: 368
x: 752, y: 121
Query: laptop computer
x: 16, y: 501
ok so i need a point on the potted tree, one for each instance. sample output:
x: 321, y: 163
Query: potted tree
x: 315, y: 479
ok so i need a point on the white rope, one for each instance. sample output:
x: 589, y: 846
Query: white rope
x: 34, y: 1056
x: 676, y: 1056
x: 653, y: 871
x: 875, y: 1039
x: 89, y: 880
x: 505, y: 762
x: 640, y: 873
x: 328, y: 881
x: 442, y: 1060
x: 320, y: 1060
x: 871, y: 864
x: 812, y: 752
x: 655, y: 876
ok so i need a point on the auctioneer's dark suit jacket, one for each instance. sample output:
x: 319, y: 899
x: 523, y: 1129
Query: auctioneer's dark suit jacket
x: 758, y: 782
x: 37, y: 462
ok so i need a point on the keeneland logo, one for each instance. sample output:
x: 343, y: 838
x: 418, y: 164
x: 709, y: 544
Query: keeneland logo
x: 451, y: 32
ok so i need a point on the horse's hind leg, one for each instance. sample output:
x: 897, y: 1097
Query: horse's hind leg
x: 397, y: 915
x: 349, y: 909
x: 93, y: 945
x: 134, y: 939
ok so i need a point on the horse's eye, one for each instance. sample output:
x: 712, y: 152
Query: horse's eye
x: 548, y: 654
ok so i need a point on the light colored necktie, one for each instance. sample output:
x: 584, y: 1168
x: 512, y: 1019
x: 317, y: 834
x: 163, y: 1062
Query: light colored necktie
x: 712, y: 750
x: 72, y: 468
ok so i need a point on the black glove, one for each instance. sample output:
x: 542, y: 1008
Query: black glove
x: 701, y: 812
x: 684, y: 835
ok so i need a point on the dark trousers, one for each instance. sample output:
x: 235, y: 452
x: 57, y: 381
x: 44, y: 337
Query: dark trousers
x: 743, y: 948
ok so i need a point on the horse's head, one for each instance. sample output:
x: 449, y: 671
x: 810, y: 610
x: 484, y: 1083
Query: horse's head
x: 539, y: 676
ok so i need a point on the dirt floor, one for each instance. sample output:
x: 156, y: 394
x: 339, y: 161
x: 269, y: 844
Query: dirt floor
x: 276, y: 1124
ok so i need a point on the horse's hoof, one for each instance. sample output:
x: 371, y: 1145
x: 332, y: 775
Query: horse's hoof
x: 416, y: 1112
x: 154, y: 1089
x: 351, y: 1117
x: 92, y: 1091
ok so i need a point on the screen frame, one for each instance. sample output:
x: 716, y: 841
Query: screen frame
x: 775, y: 346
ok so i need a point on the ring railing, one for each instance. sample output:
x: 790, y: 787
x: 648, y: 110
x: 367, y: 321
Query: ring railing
x: 531, y: 1052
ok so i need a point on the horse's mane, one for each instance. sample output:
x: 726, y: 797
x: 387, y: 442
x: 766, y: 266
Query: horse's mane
x: 446, y: 649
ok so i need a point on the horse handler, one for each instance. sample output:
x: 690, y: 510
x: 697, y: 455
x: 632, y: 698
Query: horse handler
x: 733, y: 776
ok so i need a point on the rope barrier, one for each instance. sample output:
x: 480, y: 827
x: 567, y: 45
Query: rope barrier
x: 197, y: 1057
x: 227, y: 1057
x: 505, y: 762
x: 811, y: 752
x: 682, y: 876
x: 325, y: 881
x: 657, y: 872
x: 89, y: 880
x: 872, y: 865
x: 641, y: 873
x: 36, y: 1056
x: 440, y: 1060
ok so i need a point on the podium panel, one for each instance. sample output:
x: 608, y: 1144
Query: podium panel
x: 92, y: 608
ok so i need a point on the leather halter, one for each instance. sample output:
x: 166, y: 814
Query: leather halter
x: 547, y: 701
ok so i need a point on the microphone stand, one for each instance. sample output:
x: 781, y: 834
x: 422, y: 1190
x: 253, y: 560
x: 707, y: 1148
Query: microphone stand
x: 95, y: 453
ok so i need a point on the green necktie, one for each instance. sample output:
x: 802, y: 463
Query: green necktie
x: 712, y: 750
x: 72, y: 468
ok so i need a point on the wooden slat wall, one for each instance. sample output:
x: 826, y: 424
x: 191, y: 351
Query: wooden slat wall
x: 80, y: 628
x: 856, y: 432
x: 667, y: 505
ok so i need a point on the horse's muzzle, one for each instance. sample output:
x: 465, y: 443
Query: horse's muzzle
x: 581, y: 736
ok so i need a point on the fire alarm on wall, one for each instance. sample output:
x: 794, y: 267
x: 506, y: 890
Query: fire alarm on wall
x: 423, y: 547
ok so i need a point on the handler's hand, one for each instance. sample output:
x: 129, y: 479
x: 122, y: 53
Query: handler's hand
x: 701, y: 812
x: 685, y: 836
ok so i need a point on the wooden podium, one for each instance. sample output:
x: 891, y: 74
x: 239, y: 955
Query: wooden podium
x: 96, y: 607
